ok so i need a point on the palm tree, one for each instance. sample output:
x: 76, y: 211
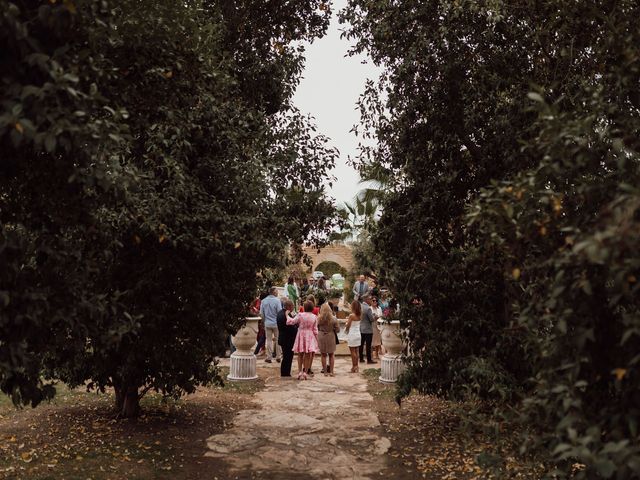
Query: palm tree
x: 365, y: 210
x: 376, y: 180
x: 357, y: 217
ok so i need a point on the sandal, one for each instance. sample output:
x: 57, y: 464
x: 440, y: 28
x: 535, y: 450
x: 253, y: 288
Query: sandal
x: 304, y: 376
x: 300, y: 376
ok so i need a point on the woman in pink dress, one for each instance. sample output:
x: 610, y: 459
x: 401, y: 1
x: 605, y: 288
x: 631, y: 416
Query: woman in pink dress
x: 306, y: 343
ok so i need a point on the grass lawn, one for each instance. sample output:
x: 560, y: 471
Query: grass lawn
x: 76, y: 436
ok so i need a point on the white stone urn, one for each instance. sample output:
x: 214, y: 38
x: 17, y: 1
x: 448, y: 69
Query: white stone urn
x: 391, y: 364
x: 242, y: 366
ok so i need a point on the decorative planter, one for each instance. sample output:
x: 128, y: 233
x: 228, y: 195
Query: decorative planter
x: 243, y: 361
x: 391, y: 365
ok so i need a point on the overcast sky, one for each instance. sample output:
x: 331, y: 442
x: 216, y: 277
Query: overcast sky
x: 331, y: 85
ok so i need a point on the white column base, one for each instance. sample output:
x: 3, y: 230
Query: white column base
x: 391, y: 367
x: 242, y: 367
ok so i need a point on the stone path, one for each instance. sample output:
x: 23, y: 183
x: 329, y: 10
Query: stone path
x: 322, y: 428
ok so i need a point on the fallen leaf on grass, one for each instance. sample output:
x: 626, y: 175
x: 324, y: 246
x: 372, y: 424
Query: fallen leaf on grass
x: 26, y: 457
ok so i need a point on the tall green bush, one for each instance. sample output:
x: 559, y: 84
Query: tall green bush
x: 511, y: 222
x: 151, y: 168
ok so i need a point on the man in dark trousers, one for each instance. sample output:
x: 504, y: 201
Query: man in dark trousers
x: 366, y: 330
x: 286, y: 337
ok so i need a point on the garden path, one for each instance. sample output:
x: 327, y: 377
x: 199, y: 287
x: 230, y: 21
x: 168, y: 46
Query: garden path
x: 322, y: 428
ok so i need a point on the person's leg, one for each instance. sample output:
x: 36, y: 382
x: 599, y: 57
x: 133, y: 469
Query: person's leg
x: 332, y: 363
x: 354, y: 358
x: 300, y: 364
x: 368, y: 337
x: 290, y: 361
x: 268, y: 331
x: 311, y: 355
x: 278, y: 349
x: 260, y: 345
x: 307, y: 362
x: 323, y: 358
x: 285, y: 366
x: 360, y: 352
x: 291, y: 355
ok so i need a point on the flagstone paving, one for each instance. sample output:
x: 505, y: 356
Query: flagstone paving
x: 322, y: 428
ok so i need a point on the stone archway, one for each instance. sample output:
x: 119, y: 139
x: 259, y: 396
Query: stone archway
x: 340, y: 253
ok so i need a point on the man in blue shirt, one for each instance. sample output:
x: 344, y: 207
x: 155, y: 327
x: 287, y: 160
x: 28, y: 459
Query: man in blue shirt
x: 269, y: 309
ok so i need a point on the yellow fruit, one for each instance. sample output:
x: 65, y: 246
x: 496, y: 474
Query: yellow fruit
x: 620, y: 373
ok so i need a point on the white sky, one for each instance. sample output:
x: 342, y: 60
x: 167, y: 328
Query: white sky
x: 330, y: 87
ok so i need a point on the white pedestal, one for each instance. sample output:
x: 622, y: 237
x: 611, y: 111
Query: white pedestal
x: 391, y: 367
x: 242, y: 367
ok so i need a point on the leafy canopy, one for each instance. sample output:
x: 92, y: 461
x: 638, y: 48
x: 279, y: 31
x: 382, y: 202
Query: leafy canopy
x: 152, y: 167
x: 510, y: 131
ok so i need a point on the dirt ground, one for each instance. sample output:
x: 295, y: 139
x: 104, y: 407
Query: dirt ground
x: 428, y: 440
x: 77, y: 437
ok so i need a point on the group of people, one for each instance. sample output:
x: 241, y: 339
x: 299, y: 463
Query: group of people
x: 296, y: 292
x: 311, y: 329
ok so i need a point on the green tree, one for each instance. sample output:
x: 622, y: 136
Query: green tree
x: 153, y: 170
x: 510, y: 130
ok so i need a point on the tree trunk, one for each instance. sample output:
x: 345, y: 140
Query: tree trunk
x: 127, y: 401
x: 119, y: 397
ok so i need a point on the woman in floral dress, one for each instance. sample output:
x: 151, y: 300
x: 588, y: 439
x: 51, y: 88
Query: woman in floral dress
x: 306, y: 343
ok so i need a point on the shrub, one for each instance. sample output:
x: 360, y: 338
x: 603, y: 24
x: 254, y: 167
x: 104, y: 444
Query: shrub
x: 510, y: 131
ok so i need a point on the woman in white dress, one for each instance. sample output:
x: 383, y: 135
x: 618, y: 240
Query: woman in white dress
x: 352, y: 329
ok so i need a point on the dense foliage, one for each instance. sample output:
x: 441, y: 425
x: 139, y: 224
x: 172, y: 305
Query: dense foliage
x: 151, y: 166
x: 509, y: 132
